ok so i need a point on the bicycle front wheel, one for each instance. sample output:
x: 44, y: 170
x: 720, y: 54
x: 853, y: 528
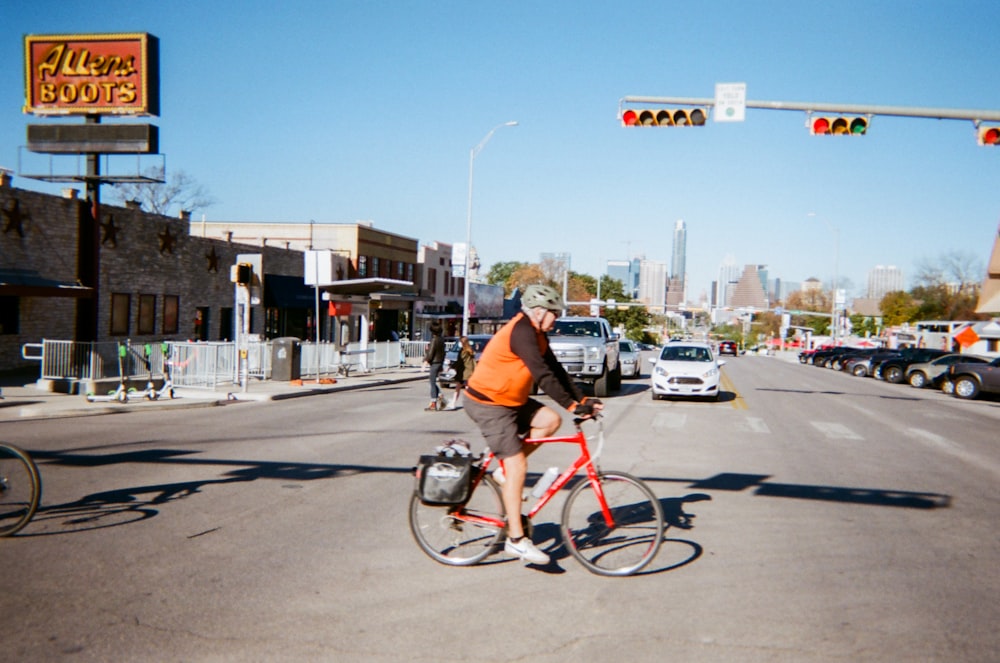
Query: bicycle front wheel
x: 20, y: 489
x: 450, y: 535
x: 628, y: 544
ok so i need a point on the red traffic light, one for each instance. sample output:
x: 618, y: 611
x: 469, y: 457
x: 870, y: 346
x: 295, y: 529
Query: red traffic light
x: 665, y: 117
x: 988, y: 135
x: 839, y: 126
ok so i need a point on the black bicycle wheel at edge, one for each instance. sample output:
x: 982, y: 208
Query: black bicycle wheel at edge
x: 450, y: 540
x: 636, y: 536
x: 20, y: 489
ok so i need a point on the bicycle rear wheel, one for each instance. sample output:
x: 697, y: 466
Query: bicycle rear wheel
x: 447, y: 538
x: 634, y: 539
x: 20, y: 489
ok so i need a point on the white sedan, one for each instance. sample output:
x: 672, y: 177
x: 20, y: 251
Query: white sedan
x: 686, y: 369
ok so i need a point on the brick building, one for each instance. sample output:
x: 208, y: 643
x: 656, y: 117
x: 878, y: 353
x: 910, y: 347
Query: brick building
x: 154, y: 280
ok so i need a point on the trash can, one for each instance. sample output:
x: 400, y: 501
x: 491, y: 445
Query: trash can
x: 286, y: 357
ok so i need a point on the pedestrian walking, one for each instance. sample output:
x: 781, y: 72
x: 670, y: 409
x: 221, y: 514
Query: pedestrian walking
x: 434, y: 359
x: 465, y: 364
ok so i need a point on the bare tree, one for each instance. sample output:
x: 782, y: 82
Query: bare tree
x: 960, y: 268
x: 180, y: 191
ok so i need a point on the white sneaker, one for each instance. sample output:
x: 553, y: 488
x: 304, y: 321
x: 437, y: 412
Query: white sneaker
x: 526, y: 550
x: 499, y: 477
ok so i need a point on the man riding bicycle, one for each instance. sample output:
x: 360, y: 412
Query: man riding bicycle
x: 499, y: 401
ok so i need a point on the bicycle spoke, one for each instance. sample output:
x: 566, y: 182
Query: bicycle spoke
x: 452, y: 536
x: 624, y: 547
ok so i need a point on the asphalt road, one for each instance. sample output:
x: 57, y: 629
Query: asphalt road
x: 813, y: 517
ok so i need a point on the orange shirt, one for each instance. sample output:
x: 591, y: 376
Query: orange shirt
x: 516, y: 358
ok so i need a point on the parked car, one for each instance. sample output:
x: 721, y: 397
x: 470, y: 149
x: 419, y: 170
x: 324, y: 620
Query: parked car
x: 447, y: 375
x: 860, y: 363
x: 839, y: 362
x: 728, y: 348
x: 824, y: 357
x: 894, y: 369
x: 686, y: 368
x: 971, y: 379
x: 631, y: 360
x: 932, y: 373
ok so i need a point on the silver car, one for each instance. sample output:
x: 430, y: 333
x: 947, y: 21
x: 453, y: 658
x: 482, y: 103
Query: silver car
x: 631, y: 361
x: 932, y: 373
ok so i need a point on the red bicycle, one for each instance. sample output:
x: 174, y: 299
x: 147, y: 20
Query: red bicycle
x: 612, y: 523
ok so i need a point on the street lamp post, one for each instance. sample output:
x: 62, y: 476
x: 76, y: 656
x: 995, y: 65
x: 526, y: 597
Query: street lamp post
x: 468, y: 224
x: 836, y: 268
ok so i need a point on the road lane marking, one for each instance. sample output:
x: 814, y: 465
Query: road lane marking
x: 835, y: 430
x: 725, y: 384
x: 753, y: 425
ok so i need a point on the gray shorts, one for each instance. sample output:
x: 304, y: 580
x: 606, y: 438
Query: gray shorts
x: 503, y: 427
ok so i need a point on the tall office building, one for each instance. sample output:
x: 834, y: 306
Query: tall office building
x: 750, y: 291
x: 626, y: 271
x: 883, y: 280
x: 729, y: 274
x: 653, y: 283
x: 678, y: 267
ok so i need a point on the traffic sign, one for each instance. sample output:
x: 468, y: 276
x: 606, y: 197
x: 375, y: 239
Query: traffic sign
x: 730, y: 102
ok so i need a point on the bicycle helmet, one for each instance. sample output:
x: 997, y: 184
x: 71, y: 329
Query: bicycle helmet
x: 542, y: 296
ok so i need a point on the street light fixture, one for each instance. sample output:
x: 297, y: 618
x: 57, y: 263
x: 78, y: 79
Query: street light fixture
x: 468, y: 223
x: 836, y: 260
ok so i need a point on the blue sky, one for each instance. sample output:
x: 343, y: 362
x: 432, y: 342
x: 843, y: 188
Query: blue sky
x: 338, y: 111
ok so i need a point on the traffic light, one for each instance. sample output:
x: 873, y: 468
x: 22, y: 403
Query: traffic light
x: 241, y: 274
x: 664, y: 117
x: 840, y: 125
x: 988, y: 135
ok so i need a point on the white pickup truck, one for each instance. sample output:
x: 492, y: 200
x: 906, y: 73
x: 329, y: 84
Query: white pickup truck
x: 588, y: 351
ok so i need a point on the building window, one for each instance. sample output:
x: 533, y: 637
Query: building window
x: 121, y: 309
x: 10, y: 315
x: 375, y: 267
x: 409, y: 272
x: 147, y: 314
x: 362, y: 267
x: 171, y: 305
x: 400, y: 270
x: 432, y: 277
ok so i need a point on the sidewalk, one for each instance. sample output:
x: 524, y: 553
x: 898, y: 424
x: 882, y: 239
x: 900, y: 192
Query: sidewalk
x: 26, y: 401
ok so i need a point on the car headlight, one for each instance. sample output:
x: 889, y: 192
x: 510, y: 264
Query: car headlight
x: 593, y: 353
x: 711, y: 373
x: 659, y: 370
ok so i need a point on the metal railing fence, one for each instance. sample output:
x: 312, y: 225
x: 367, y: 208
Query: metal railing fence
x: 205, y: 364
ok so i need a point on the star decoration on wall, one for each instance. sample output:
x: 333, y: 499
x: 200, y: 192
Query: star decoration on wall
x: 213, y: 261
x: 110, y: 232
x: 166, y: 241
x: 15, y: 220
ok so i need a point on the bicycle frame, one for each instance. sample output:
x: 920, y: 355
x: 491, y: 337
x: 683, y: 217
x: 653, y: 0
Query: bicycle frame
x: 585, y: 460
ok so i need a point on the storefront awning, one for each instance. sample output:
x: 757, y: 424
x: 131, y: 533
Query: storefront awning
x: 369, y: 286
x: 29, y: 283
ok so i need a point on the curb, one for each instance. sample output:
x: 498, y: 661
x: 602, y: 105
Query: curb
x: 33, y: 410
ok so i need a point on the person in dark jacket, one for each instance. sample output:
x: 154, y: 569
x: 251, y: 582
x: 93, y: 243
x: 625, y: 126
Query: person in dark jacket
x: 434, y: 359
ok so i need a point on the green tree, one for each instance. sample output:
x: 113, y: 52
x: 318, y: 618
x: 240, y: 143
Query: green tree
x: 500, y: 273
x: 897, y: 307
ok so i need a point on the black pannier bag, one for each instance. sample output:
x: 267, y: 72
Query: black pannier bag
x: 443, y: 479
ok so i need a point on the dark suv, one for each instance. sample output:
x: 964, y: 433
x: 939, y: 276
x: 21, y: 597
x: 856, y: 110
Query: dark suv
x: 894, y: 370
x: 970, y: 380
x: 728, y: 348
